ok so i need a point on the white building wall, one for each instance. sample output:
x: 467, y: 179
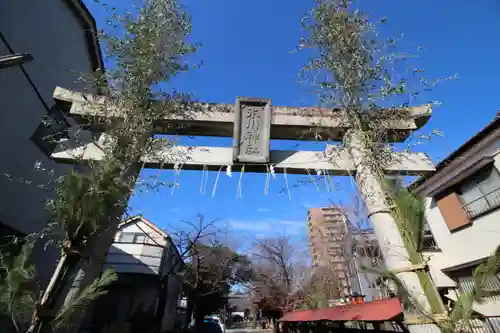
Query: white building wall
x: 144, y: 227
x: 137, y: 258
x: 51, y: 33
x: 471, y: 243
x: 147, y: 259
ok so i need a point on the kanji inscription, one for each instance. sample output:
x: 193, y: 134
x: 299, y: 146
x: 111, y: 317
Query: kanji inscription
x: 252, y: 130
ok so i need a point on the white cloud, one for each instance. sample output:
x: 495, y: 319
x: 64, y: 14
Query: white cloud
x: 269, y: 226
x: 250, y: 225
x: 292, y: 223
x: 310, y: 205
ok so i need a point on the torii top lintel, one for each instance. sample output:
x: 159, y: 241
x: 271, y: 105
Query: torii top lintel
x: 210, y: 119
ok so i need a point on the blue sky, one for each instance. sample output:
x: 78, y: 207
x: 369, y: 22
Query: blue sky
x: 246, y: 50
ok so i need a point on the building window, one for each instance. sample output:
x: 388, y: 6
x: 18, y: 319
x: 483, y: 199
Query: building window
x: 126, y: 237
x: 428, y: 241
x: 134, y: 237
x: 139, y: 238
x: 51, y: 130
x: 480, y: 193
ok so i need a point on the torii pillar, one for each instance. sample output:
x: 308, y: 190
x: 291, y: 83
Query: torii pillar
x: 253, y: 123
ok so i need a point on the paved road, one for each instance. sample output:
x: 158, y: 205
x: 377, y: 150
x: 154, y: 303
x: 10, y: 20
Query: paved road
x: 246, y: 330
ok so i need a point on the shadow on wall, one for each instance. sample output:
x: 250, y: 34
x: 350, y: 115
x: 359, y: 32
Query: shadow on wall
x: 131, y: 301
x: 140, y: 323
x: 125, y: 262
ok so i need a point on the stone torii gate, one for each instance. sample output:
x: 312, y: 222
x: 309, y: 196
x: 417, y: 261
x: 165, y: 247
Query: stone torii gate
x: 253, y: 123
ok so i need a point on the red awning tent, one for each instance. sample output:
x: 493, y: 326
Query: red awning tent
x: 375, y: 311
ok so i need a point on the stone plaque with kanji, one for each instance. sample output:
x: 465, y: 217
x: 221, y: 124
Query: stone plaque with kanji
x: 252, y: 129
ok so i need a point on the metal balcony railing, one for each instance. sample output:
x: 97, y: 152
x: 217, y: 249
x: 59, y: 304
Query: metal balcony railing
x: 467, y: 284
x: 484, y: 204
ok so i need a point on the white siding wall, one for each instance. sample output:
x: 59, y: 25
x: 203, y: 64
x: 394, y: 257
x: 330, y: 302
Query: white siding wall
x: 472, y: 243
x: 146, y: 259
x: 137, y: 258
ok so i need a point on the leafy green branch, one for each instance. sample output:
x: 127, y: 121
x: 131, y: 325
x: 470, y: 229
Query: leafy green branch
x: 77, y: 306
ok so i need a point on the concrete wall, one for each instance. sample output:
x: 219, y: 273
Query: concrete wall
x: 51, y: 32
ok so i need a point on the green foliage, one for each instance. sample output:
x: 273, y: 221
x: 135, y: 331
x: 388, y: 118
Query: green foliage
x: 484, y: 273
x: 410, y: 212
x: 149, y: 49
x: 212, y: 270
x: 145, y: 48
x: 458, y: 318
x: 461, y: 314
x: 363, y: 75
x: 76, y: 306
x: 19, y: 290
x: 342, y: 38
x: 18, y: 286
x: 82, y: 202
x: 356, y: 69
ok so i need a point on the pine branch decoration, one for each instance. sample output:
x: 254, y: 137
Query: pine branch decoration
x: 92, y: 292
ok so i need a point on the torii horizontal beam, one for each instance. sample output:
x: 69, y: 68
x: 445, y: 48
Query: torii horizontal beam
x: 209, y: 119
x: 335, y: 160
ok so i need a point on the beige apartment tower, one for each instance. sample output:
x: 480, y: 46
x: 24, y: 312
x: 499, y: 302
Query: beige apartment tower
x: 327, y: 230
